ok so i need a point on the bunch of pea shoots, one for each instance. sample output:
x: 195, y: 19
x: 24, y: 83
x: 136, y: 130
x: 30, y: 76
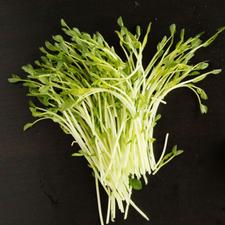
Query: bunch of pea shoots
x: 109, y: 103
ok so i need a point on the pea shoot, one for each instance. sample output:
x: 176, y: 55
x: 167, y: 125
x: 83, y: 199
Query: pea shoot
x: 109, y: 103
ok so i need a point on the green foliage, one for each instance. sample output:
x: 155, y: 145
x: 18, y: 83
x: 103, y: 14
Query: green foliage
x: 109, y: 105
x: 135, y: 184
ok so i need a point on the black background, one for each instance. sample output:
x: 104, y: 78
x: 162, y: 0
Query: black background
x: 41, y: 184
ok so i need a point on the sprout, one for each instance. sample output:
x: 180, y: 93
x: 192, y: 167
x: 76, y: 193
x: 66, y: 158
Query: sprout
x: 109, y: 105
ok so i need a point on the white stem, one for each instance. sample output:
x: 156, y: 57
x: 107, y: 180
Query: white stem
x: 99, y: 201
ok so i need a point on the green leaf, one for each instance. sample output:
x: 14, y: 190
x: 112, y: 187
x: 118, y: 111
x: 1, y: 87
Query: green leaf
x: 27, y: 126
x: 194, y: 73
x: 67, y: 104
x: 43, y: 50
x: 78, y: 154
x: 158, y: 117
x: 120, y: 21
x: 174, y: 149
x: 63, y: 23
x: 182, y: 32
x: 202, y: 93
x: 172, y: 29
x: 178, y: 152
x: 138, y: 31
x: 202, y: 66
x: 29, y: 69
x: 167, y: 156
x: 14, y: 79
x: 58, y: 38
x: 203, y: 108
x: 199, y: 78
x: 50, y: 46
x: 195, y: 42
x: 135, y: 183
x: 217, y: 71
x: 211, y: 39
x: 162, y: 43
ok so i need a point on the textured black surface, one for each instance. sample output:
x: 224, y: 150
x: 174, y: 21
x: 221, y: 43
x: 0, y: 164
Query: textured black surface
x: 41, y: 184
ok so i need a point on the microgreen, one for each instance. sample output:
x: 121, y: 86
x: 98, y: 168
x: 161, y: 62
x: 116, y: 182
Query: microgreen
x: 109, y: 104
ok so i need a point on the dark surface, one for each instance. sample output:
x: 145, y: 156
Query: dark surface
x: 41, y: 184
